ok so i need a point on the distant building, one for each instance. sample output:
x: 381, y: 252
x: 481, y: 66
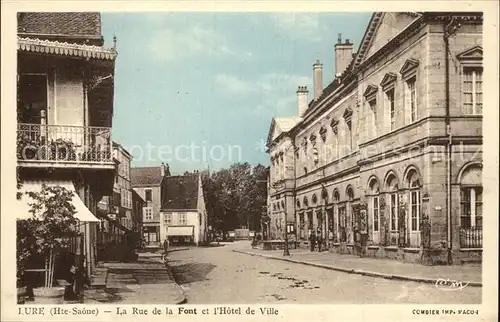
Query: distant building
x: 387, y: 159
x: 116, y: 209
x: 147, y: 182
x: 137, y: 217
x: 183, y: 216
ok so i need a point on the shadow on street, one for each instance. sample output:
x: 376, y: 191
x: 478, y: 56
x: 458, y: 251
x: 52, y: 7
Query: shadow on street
x: 191, y: 272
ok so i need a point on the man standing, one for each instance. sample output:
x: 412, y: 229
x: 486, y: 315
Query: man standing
x: 165, y: 248
x: 319, y: 239
x: 312, y: 240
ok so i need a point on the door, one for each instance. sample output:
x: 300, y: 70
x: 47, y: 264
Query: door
x: 32, y: 94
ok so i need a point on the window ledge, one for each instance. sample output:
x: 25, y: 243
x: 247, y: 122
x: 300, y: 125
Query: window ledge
x: 350, y: 245
x: 391, y: 248
x: 373, y: 247
x: 411, y: 250
x: 336, y: 244
x: 471, y: 249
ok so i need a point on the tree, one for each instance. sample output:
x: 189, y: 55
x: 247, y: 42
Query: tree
x: 50, y: 228
x: 235, y: 196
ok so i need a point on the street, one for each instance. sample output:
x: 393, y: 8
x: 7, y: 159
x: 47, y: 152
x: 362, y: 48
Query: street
x: 210, y: 275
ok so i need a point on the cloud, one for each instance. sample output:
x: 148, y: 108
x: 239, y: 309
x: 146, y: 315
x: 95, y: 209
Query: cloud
x: 170, y: 44
x: 233, y: 85
x: 276, y: 91
x: 299, y: 25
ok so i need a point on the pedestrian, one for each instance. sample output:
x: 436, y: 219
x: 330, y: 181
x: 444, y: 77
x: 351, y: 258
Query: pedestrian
x: 312, y: 240
x: 165, y: 248
x: 319, y: 238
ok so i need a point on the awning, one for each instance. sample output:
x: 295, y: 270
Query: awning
x: 65, y: 49
x: 23, y: 208
x: 180, y: 231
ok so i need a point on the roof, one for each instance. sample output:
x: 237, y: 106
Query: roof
x: 284, y: 124
x: 180, y: 192
x: 145, y: 176
x: 287, y: 123
x: 60, y: 24
x: 64, y: 48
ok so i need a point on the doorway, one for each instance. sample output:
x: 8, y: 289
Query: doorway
x: 32, y: 97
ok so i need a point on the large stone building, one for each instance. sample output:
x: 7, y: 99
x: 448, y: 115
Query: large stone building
x: 386, y: 160
x: 65, y: 107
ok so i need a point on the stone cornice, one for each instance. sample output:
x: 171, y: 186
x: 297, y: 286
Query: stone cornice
x: 409, y: 65
x: 370, y: 91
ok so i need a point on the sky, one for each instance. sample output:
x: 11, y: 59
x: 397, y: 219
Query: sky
x: 199, y: 90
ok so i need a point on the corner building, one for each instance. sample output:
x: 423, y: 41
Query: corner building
x: 387, y: 159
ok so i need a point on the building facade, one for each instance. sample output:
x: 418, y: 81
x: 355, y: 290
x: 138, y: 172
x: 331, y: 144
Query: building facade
x: 117, y: 209
x: 147, y: 182
x: 183, y: 217
x: 386, y: 160
x: 65, y: 105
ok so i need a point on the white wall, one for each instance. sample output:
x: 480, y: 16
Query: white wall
x: 192, y: 220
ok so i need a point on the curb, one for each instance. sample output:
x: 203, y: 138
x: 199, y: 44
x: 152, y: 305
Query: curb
x: 182, y: 296
x: 355, y: 271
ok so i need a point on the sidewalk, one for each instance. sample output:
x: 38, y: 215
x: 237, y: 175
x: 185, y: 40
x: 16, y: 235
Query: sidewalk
x: 145, y: 281
x: 384, y: 268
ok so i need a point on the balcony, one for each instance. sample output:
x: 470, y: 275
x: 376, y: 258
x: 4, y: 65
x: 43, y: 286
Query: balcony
x: 64, y: 146
x: 471, y: 237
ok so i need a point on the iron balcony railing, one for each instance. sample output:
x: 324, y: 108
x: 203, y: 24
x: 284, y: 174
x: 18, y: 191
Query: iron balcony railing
x: 471, y: 237
x: 64, y: 143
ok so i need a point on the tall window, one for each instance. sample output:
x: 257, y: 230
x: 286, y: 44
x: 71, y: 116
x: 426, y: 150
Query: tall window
x: 391, y: 108
x: 473, y: 90
x: 375, y: 205
x: 412, y: 99
x: 182, y: 218
x: 348, y: 122
x: 373, y: 110
x: 376, y: 210
x: 394, y: 211
x: 392, y: 187
x: 471, y: 207
x: 414, y: 205
x: 148, y: 213
x: 168, y: 219
x: 148, y: 195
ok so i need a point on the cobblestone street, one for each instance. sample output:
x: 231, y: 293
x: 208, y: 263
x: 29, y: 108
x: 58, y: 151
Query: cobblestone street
x: 210, y: 275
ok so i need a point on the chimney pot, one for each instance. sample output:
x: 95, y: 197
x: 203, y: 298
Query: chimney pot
x: 343, y: 56
x: 318, y: 79
x: 302, y: 94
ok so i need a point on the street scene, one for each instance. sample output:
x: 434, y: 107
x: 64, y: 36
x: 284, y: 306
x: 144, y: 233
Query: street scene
x: 198, y: 158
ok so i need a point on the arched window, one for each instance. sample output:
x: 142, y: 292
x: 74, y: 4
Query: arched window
x: 374, y: 206
x: 314, y: 199
x: 413, y: 181
x: 392, y: 187
x: 336, y: 196
x: 306, y: 202
x: 298, y: 204
x: 350, y: 214
x: 282, y: 205
x: 471, y: 198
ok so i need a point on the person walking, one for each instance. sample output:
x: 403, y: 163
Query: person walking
x: 319, y: 238
x: 165, y: 249
x: 312, y: 240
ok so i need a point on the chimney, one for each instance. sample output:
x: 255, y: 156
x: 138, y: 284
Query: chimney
x: 302, y: 93
x: 162, y: 169
x: 318, y: 79
x: 343, y: 55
